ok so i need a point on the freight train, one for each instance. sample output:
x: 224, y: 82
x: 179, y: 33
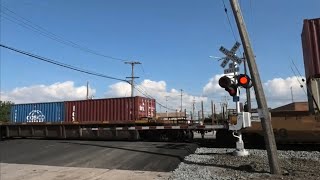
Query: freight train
x: 113, y: 118
x: 110, y: 111
x: 289, y: 127
x: 134, y: 118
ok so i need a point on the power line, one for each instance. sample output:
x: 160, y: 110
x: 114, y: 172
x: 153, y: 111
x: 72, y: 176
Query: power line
x: 61, y: 64
x: 226, y: 11
x: 19, y: 20
x: 298, y: 81
x: 143, y: 91
x: 145, y: 75
x: 233, y: 33
x: 296, y: 68
x: 149, y: 96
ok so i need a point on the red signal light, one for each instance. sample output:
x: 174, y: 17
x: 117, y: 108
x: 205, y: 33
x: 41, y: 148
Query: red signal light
x: 243, y: 80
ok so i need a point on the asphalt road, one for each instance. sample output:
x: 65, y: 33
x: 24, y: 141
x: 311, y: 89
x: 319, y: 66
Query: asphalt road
x: 141, y: 156
x: 42, y: 172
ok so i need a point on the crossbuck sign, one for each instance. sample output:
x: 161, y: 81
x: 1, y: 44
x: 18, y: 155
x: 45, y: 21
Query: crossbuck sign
x: 230, y: 56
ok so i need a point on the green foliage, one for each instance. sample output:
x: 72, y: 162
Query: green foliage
x: 5, y: 107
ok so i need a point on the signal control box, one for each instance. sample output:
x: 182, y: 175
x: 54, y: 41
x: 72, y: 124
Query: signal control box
x: 243, y: 121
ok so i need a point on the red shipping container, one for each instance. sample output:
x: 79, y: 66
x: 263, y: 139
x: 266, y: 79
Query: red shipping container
x: 112, y: 111
x: 310, y: 37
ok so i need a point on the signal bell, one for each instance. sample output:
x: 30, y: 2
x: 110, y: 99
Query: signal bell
x: 244, y: 81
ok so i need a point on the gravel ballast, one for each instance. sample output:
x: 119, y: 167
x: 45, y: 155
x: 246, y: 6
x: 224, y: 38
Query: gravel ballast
x: 219, y: 163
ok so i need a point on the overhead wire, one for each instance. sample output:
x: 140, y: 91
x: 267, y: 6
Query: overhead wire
x: 23, y: 24
x: 148, y: 96
x: 296, y: 68
x: 61, y: 64
x: 299, y: 81
x: 308, y: 90
x: 226, y: 11
x: 38, y: 29
x: 229, y: 22
x: 144, y: 92
x: 145, y: 75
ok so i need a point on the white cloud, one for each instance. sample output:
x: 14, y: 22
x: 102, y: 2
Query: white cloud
x: 212, y: 87
x: 157, y: 90
x: 120, y: 89
x: 46, y: 93
x: 277, y: 91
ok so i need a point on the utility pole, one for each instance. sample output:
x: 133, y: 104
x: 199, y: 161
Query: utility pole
x: 291, y: 93
x: 132, y: 74
x: 87, y: 90
x: 222, y: 110
x: 212, y: 112
x: 261, y: 100
x: 167, y: 106
x: 225, y: 107
x: 181, y: 100
x: 193, y: 108
x: 202, y: 113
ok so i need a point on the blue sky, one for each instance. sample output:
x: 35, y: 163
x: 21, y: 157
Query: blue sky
x: 172, y: 39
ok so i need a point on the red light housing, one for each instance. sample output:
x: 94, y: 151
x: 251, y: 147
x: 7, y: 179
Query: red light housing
x: 232, y: 90
x: 243, y: 80
x: 224, y: 82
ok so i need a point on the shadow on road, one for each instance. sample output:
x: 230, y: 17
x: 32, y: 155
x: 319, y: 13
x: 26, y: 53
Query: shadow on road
x: 184, y: 149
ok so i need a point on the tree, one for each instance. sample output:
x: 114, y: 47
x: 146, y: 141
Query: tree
x: 5, y: 108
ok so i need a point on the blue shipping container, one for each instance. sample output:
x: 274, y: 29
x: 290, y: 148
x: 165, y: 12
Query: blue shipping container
x: 38, y: 112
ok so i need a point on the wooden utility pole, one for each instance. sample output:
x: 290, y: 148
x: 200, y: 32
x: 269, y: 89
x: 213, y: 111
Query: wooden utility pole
x: 167, y: 106
x: 261, y: 100
x: 291, y: 93
x: 181, y: 100
x: 212, y: 113
x: 87, y: 90
x: 132, y: 75
x: 193, y: 108
x: 202, y: 114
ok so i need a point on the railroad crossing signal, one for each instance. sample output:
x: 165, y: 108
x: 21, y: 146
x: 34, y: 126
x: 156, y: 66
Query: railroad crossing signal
x: 230, y: 54
x: 226, y: 83
x: 231, y: 87
x: 231, y: 69
x: 244, y: 81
